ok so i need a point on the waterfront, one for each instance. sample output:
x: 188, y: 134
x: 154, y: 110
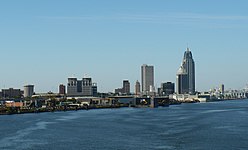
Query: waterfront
x: 215, y: 125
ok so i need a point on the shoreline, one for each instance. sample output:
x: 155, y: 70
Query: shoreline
x: 58, y: 109
x: 16, y: 111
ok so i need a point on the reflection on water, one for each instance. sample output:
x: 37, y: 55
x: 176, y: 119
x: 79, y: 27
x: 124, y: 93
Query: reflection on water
x: 220, y: 125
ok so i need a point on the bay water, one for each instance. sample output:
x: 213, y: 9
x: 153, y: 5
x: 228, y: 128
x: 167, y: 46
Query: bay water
x: 214, y: 125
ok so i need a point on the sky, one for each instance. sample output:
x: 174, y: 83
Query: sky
x: 43, y: 42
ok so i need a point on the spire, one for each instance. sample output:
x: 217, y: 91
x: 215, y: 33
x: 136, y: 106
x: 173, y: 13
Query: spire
x: 188, y: 49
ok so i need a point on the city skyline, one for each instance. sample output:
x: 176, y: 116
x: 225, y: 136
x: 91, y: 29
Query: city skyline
x: 43, y: 43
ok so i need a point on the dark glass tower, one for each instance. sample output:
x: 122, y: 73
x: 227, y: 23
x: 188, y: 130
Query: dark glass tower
x: 187, y: 74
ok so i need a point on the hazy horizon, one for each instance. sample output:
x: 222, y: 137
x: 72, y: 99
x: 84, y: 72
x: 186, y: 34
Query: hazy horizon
x: 45, y: 42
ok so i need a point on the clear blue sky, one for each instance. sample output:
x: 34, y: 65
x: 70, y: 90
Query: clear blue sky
x: 42, y: 42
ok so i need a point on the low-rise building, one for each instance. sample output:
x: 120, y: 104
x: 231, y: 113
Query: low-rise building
x: 62, y: 89
x: 187, y: 98
x: 11, y: 93
x: 125, y: 90
x: 14, y: 104
x: 166, y: 89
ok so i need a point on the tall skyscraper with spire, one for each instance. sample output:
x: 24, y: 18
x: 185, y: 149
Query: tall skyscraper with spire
x: 186, y: 75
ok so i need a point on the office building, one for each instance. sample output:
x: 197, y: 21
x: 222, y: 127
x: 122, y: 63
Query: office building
x: 126, y: 87
x: 137, y: 88
x: 186, y: 75
x: 147, y: 78
x: 82, y: 87
x: 94, y: 90
x: 72, y: 88
x: 11, y: 93
x: 182, y: 81
x: 28, y: 90
x: 222, y: 89
x: 87, y: 87
x: 119, y: 91
x: 62, y: 89
x: 125, y: 90
x: 166, y: 89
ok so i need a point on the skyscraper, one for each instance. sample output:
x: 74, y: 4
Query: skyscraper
x: 222, y: 89
x: 182, y: 81
x: 147, y: 78
x: 186, y: 75
x: 137, y: 88
x: 126, y: 87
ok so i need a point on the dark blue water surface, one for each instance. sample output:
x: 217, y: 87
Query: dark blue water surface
x: 219, y: 125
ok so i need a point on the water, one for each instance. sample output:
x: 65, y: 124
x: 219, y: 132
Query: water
x: 219, y: 125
